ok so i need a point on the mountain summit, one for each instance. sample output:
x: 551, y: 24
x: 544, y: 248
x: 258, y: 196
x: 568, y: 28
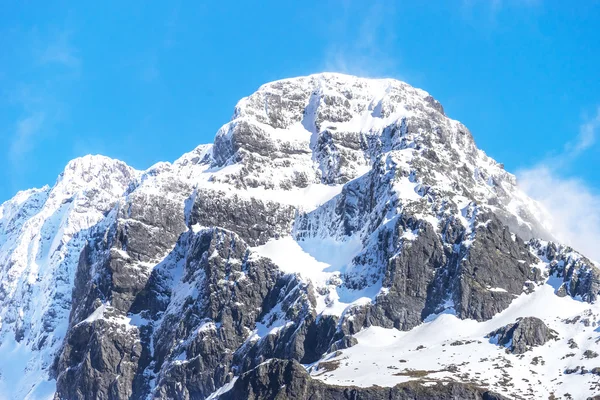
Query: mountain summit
x: 341, y: 239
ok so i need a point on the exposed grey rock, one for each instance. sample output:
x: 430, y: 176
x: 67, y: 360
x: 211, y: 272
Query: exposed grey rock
x: 495, y: 260
x: 344, y: 343
x: 580, y: 277
x: 580, y: 369
x: 522, y: 335
x: 254, y: 220
x: 235, y: 293
x: 408, y: 277
x: 590, y: 354
x: 106, y: 356
x: 426, y: 274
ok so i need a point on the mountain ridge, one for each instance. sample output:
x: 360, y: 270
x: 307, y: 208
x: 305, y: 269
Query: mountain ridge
x: 351, y: 204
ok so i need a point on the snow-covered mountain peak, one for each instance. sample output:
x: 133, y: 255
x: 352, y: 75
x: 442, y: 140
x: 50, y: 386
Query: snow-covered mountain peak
x: 329, y: 128
x: 336, y: 102
x: 332, y: 128
x: 330, y: 209
x: 99, y: 172
x: 284, y: 102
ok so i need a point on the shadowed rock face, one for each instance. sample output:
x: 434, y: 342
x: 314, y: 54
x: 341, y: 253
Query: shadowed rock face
x: 228, y: 294
x: 495, y: 260
x: 522, y: 335
x: 476, y: 271
x: 283, y: 379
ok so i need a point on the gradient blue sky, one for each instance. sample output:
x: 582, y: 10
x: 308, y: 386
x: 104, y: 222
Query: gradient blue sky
x: 146, y: 82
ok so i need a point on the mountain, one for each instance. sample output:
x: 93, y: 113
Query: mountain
x: 342, y: 238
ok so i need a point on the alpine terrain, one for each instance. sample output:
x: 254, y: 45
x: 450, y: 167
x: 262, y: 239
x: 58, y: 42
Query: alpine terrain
x: 342, y: 238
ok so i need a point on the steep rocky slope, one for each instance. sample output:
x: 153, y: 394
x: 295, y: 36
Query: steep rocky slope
x: 340, y: 233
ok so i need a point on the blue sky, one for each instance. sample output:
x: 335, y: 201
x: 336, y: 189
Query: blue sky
x: 146, y: 82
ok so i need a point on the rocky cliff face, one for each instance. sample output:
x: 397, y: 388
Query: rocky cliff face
x: 331, y: 216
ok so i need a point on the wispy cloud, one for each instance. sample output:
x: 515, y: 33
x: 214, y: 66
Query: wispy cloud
x: 25, y: 134
x: 586, y: 137
x: 29, y: 128
x: 146, y: 65
x: 572, y: 205
x: 60, y: 51
x: 362, y: 48
x: 171, y: 26
x: 485, y: 13
x: 37, y: 101
x: 497, y: 5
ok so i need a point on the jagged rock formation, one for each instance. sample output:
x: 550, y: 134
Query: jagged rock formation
x: 328, y: 208
x: 580, y: 277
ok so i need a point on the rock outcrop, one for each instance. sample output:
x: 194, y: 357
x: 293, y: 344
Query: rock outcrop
x: 522, y: 335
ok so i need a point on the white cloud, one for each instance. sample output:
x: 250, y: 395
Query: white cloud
x: 39, y: 101
x: 485, y: 13
x: 150, y: 71
x: 573, y: 206
x: 497, y: 5
x: 362, y: 49
x: 25, y: 135
x: 61, y: 51
x: 586, y: 137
